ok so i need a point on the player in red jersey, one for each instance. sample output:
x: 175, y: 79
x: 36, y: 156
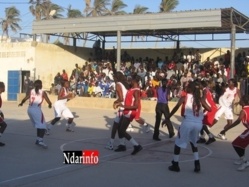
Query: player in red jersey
x: 131, y: 106
x: 242, y: 141
x: 208, y: 115
x: 3, y: 125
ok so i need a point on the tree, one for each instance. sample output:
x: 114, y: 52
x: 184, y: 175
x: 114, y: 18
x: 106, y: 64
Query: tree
x: 99, y: 8
x: 12, y: 17
x: 45, y: 10
x: 168, y: 5
x: 116, y: 8
x: 71, y: 13
x: 140, y: 9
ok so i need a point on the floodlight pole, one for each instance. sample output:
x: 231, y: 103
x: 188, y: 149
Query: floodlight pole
x: 118, y: 50
x: 232, y: 56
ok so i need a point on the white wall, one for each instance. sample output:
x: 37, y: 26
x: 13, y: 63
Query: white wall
x: 15, y: 56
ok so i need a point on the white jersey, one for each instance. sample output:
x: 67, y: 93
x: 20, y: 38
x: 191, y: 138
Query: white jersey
x: 65, y: 93
x: 189, y: 112
x: 35, y: 99
x: 228, y: 97
x: 124, y: 92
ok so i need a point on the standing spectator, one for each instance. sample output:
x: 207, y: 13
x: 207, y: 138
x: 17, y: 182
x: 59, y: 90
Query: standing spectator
x: 64, y: 75
x: 57, y: 79
x: 28, y: 84
x: 162, y: 108
x: 75, y: 75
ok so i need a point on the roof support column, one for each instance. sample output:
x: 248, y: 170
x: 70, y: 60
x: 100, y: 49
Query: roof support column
x: 232, y: 57
x: 118, y: 50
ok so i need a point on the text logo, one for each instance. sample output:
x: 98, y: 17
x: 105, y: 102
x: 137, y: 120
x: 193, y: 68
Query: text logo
x: 90, y: 157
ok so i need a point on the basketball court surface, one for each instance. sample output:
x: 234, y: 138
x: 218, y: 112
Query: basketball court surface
x: 25, y: 164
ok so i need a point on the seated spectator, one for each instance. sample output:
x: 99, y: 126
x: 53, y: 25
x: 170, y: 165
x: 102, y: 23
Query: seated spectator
x: 90, y: 90
x: 64, y: 75
x: 97, y: 91
x: 52, y: 89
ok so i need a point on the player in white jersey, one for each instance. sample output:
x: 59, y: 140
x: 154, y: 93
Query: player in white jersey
x: 226, y: 104
x: 36, y: 97
x: 121, y: 90
x: 61, y: 109
x: 191, y: 124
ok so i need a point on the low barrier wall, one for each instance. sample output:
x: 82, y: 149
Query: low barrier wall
x: 101, y: 103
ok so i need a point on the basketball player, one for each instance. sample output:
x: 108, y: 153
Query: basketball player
x: 190, y: 126
x: 3, y: 125
x: 242, y: 141
x: 61, y: 109
x: 36, y: 97
x: 226, y: 103
x: 131, y: 105
x: 121, y: 90
x: 208, y: 116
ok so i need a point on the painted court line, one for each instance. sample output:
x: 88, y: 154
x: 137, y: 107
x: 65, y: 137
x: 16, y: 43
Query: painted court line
x: 105, y: 160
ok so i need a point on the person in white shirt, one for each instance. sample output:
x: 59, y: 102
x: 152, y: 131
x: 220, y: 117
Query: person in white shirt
x: 226, y: 104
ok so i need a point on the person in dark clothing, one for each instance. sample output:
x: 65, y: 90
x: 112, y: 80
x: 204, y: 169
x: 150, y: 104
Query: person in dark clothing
x: 162, y: 108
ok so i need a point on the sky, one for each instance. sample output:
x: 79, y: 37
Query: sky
x: 153, y: 5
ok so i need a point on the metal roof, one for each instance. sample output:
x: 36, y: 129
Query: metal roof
x: 213, y: 21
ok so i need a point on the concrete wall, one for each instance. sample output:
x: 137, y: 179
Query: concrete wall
x: 100, y: 103
x: 15, y: 56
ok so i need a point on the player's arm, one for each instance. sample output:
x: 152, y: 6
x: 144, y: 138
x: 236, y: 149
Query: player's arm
x: 25, y: 99
x: 235, y: 123
x: 119, y: 94
x: 177, y: 106
x: 45, y: 96
x: 203, y: 101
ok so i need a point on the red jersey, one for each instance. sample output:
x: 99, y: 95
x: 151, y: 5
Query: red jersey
x: 245, y: 119
x: 129, y: 101
x: 0, y: 101
x: 209, y: 98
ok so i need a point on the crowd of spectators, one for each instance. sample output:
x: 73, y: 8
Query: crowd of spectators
x: 95, y: 78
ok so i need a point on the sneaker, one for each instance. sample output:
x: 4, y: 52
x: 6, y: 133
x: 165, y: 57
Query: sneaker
x: 47, y: 132
x: 147, y: 128
x: 239, y: 161
x: 69, y: 129
x: 210, y: 140
x: 41, y: 143
x: 2, y: 144
x: 243, y: 166
x: 197, y: 166
x: 156, y: 139
x: 201, y: 140
x: 109, y: 146
x: 120, y: 148
x: 137, y: 148
x: 222, y: 136
x: 174, y: 167
x: 129, y: 129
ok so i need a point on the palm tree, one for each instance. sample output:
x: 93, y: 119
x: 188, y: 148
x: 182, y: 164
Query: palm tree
x: 99, y: 8
x: 12, y: 17
x: 116, y: 8
x: 45, y: 9
x: 168, y: 5
x: 140, y: 9
x: 71, y: 13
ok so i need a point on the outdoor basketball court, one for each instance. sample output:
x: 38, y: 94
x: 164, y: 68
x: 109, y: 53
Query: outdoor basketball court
x: 25, y: 164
